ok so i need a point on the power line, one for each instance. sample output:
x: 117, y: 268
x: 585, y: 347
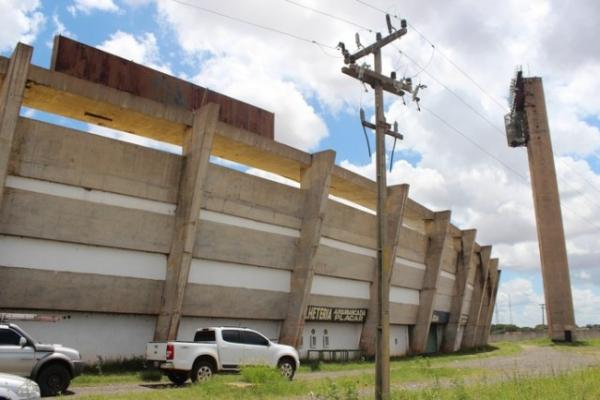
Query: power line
x: 591, y: 184
x: 322, y: 47
x: 254, y: 24
x: 474, y: 143
x: 458, y: 97
x: 426, y: 65
x: 506, y: 166
x: 500, y: 131
x: 454, y: 64
x: 371, y: 6
x: 461, y: 70
x: 503, y: 107
x: 422, y: 68
x: 329, y: 15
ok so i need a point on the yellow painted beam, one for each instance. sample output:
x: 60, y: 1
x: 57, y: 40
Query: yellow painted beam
x: 61, y: 94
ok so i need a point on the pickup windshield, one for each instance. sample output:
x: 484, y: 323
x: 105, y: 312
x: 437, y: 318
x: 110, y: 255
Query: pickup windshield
x: 204, y: 336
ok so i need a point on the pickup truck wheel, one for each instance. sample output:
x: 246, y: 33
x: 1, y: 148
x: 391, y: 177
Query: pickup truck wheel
x: 178, y: 378
x: 202, y: 371
x: 53, y: 380
x: 287, y: 367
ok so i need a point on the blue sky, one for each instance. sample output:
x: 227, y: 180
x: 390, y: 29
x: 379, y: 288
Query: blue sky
x: 316, y: 106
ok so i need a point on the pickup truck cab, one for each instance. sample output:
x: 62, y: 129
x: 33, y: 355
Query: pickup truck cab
x: 220, y: 349
x: 52, y: 366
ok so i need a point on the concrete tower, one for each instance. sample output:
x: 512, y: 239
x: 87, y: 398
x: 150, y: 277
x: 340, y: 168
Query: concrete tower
x: 527, y: 125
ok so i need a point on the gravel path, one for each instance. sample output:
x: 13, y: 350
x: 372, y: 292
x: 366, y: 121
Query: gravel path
x: 121, y: 388
x: 531, y: 361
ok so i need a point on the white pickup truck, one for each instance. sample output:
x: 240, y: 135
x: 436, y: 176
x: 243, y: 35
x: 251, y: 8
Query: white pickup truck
x: 220, y: 349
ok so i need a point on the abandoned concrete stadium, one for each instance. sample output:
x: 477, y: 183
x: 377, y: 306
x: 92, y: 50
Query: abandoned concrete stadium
x: 102, y: 232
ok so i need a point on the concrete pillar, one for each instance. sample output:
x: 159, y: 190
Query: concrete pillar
x: 395, y: 204
x: 451, y: 340
x: 551, y: 236
x: 485, y: 334
x: 315, y: 183
x: 486, y: 303
x: 479, y: 286
x: 196, y: 152
x: 11, y: 98
x: 438, y: 235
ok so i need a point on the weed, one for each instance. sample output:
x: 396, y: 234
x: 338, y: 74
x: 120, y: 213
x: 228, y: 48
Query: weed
x: 314, y: 365
x: 258, y: 374
x: 150, y: 375
x: 115, y: 366
x: 334, y: 391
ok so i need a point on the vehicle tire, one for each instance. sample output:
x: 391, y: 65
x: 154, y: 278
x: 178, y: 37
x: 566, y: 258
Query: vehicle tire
x: 178, y: 378
x: 53, y: 379
x: 287, y: 367
x: 202, y: 371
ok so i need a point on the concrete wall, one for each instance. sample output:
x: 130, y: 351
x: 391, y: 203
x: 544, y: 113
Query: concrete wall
x: 582, y: 334
x: 109, y: 336
x: 86, y: 224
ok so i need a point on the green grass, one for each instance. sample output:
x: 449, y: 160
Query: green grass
x: 437, y: 376
x: 407, y: 369
x: 582, y: 384
x: 266, y: 383
x: 588, y: 346
x: 577, y: 385
x: 498, y: 349
x: 222, y: 387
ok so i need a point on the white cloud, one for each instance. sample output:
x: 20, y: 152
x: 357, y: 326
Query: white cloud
x: 519, y: 302
x: 59, y: 29
x: 587, y: 306
x: 272, y: 177
x: 131, y: 138
x: 261, y: 67
x: 301, y: 84
x: 21, y: 21
x: 296, y: 122
x: 87, y: 6
x: 487, y: 39
x: 142, y: 49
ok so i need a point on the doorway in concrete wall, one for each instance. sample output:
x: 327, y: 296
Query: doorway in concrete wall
x: 432, y: 340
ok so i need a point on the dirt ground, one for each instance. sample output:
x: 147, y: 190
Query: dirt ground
x: 534, y: 361
x: 531, y: 361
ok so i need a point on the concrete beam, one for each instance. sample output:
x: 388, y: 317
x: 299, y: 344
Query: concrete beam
x: 93, y: 103
x: 479, y: 287
x: 438, y: 235
x: 488, y: 304
x: 45, y: 216
x: 11, y: 98
x: 396, y: 203
x: 486, y: 337
x: 550, y: 230
x: 196, y: 152
x: 451, y: 341
x: 35, y: 289
x: 58, y: 154
x: 315, y: 184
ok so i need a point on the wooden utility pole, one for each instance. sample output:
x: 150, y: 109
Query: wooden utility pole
x: 379, y: 83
